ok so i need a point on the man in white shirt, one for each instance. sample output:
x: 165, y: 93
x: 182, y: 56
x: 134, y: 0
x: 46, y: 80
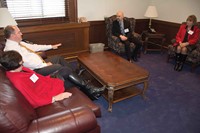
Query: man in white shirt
x: 33, y: 61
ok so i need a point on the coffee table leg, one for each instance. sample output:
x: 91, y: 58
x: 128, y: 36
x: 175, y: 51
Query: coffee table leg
x: 110, y: 98
x: 144, y: 90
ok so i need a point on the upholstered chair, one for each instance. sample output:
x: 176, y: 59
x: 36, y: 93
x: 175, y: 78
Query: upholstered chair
x: 114, y: 42
x: 193, y: 57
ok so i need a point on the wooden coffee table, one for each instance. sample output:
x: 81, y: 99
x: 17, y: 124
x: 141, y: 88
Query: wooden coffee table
x: 118, y: 75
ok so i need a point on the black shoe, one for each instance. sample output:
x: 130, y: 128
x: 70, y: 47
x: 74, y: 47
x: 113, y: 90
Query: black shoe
x: 182, y: 61
x: 89, y: 94
x: 131, y: 60
x: 135, y: 59
x: 76, y: 79
x: 94, y: 90
x: 90, y: 90
x: 180, y: 67
x: 176, y: 66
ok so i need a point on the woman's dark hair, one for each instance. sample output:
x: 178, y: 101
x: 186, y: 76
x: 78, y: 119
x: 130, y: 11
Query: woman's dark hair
x: 10, y: 60
x: 8, y: 31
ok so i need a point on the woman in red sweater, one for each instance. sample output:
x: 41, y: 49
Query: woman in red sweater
x: 186, y: 39
x: 37, y: 89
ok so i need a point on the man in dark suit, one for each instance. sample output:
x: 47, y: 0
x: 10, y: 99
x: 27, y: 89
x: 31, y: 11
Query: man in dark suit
x: 121, y: 29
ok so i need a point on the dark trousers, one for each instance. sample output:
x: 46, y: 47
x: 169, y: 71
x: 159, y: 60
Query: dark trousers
x: 59, y: 65
x: 132, y: 54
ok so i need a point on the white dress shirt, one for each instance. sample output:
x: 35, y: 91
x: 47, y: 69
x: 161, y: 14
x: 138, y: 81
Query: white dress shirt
x: 31, y: 60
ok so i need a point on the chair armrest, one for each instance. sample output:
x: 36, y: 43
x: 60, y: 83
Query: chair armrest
x: 173, y: 41
x: 42, y: 54
x: 198, y: 46
x: 116, y: 39
x: 137, y: 35
x: 77, y: 120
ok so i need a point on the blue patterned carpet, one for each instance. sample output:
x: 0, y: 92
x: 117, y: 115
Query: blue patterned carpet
x: 173, y: 105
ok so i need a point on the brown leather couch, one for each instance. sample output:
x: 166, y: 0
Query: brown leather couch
x: 76, y: 114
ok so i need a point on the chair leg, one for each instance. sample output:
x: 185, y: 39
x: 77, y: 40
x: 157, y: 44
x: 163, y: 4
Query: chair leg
x: 193, y: 67
x: 168, y: 58
x: 139, y: 53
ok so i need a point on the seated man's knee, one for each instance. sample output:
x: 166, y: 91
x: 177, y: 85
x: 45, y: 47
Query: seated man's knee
x: 127, y: 43
x: 55, y: 66
x: 64, y: 72
x: 58, y: 57
x: 48, y: 69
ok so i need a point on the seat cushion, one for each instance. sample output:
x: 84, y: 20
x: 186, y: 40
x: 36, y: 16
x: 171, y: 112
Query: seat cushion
x: 77, y: 99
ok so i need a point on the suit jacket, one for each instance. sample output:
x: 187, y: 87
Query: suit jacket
x: 116, y: 29
x: 192, y: 39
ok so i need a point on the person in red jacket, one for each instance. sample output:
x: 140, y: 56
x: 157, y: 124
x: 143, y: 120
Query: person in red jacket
x: 186, y: 39
x: 39, y: 90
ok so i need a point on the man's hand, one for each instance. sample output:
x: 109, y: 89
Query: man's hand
x: 55, y: 46
x: 62, y: 96
x: 123, y: 38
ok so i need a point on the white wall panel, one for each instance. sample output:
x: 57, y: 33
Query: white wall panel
x: 168, y: 10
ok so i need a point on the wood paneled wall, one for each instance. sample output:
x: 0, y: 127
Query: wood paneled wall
x: 98, y: 32
x: 73, y: 36
x: 168, y: 28
x: 76, y: 37
x: 141, y: 25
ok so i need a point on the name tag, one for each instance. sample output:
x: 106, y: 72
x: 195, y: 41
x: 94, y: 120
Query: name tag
x: 34, y: 78
x: 126, y: 30
x: 190, y: 32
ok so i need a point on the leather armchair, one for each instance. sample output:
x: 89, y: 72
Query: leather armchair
x: 73, y: 115
x: 114, y: 42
